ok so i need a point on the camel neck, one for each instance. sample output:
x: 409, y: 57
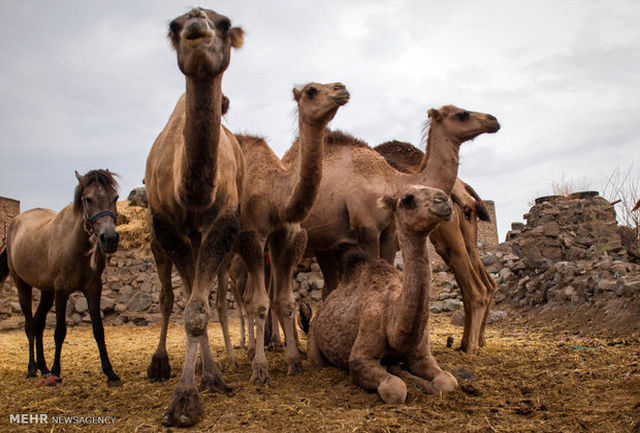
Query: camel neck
x: 439, y: 167
x: 308, y: 171
x: 201, y: 138
x: 411, y: 310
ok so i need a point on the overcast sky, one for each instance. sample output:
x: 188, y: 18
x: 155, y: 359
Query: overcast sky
x: 87, y: 85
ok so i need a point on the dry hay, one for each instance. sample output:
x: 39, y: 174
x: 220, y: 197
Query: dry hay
x: 133, y: 226
x: 527, y: 380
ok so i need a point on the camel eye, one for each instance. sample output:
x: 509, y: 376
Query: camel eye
x: 174, y: 27
x: 311, y: 92
x: 224, y: 25
x: 463, y: 115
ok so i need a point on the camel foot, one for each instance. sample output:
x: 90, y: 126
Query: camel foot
x: 260, y: 374
x: 294, y: 365
x: 233, y: 363
x: 444, y: 382
x: 159, y: 370
x: 184, y: 409
x: 214, y: 383
x: 275, y: 347
x: 393, y: 390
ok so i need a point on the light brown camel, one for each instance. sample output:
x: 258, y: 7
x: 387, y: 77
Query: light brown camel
x: 456, y: 241
x: 275, y: 201
x: 60, y: 253
x: 345, y: 213
x: 377, y: 318
x: 194, y: 179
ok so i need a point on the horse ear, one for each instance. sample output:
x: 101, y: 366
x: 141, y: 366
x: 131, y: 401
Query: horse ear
x: 78, y: 176
x: 434, y: 114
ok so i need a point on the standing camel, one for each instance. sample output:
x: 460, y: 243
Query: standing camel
x: 194, y: 179
x: 456, y: 241
x: 345, y: 212
x: 60, y: 253
x: 276, y: 200
x: 376, y: 319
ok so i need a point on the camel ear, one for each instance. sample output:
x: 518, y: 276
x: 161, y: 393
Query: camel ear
x: 297, y: 94
x: 434, y: 114
x: 236, y: 34
x: 408, y: 201
x: 225, y: 104
x: 78, y: 176
x: 387, y: 202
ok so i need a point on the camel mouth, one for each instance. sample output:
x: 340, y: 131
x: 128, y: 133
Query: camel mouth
x: 197, y: 32
x: 341, y: 98
x: 443, y: 211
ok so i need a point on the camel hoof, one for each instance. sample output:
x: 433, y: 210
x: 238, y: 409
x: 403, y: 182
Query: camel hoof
x: 233, y: 363
x: 393, y: 390
x: 159, y: 370
x: 260, y: 374
x: 275, y: 347
x: 215, y: 384
x: 184, y: 409
x: 294, y: 366
x: 444, y: 382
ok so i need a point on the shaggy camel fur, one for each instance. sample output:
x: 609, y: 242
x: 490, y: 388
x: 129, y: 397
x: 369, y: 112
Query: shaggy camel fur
x: 60, y: 253
x: 456, y: 241
x: 194, y: 179
x: 345, y: 212
x: 274, y: 203
x: 376, y: 318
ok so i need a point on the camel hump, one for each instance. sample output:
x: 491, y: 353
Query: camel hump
x: 341, y: 138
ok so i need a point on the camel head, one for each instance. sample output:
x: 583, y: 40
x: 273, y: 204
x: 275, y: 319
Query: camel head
x: 419, y: 209
x: 95, y: 199
x: 203, y: 40
x: 461, y: 125
x: 318, y: 103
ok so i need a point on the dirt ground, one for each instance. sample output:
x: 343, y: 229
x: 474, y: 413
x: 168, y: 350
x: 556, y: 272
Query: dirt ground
x: 524, y: 380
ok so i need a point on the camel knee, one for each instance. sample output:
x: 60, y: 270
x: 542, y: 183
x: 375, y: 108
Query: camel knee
x: 284, y: 307
x: 392, y: 390
x: 444, y: 382
x: 196, y: 318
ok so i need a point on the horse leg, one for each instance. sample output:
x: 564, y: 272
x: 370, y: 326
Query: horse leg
x: 93, y: 300
x: 184, y: 408
x: 222, y: 307
x: 287, y: 247
x: 39, y: 321
x: 24, y: 296
x: 61, y: 329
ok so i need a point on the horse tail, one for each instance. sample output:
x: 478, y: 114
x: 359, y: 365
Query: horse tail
x: 4, y: 266
x: 305, y: 313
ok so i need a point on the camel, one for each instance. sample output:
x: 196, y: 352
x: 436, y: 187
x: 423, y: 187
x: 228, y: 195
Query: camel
x: 194, y: 179
x: 345, y: 213
x: 636, y: 207
x: 456, y: 242
x: 274, y: 203
x: 60, y: 253
x: 376, y: 319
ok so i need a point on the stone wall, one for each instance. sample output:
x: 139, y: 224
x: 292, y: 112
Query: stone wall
x: 9, y: 209
x: 488, y: 230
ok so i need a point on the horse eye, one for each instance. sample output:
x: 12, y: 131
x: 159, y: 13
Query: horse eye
x: 311, y: 92
x: 88, y: 200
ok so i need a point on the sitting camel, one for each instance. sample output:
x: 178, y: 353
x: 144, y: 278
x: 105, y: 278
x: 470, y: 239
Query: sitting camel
x: 376, y: 319
x: 456, y: 242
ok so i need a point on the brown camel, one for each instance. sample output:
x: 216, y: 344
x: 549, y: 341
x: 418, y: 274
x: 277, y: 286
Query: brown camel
x: 276, y: 200
x: 60, y: 253
x: 636, y: 207
x: 376, y: 318
x: 456, y: 241
x: 194, y: 179
x: 355, y: 176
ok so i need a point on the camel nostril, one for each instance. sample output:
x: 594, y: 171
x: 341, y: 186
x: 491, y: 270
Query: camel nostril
x: 339, y: 86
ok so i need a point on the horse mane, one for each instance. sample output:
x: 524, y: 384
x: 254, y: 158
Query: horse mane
x: 104, y: 178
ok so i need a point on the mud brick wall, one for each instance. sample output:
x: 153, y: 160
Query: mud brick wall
x: 488, y: 230
x: 9, y: 209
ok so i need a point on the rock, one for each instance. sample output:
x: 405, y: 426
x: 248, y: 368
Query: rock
x: 437, y: 307
x: 107, y: 304
x: 316, y: 282
x: 139, y: 302
x: 496, y: 316
x: 462, y: 373
x: 138, y: 197
x: 551, y: 229
x: 315, y: 267
x: 81, y: 305
x: 457, y: 318
x: 451, y: 305
x: 316, y: 294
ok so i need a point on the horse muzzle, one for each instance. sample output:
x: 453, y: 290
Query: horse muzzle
x: 108, y: 241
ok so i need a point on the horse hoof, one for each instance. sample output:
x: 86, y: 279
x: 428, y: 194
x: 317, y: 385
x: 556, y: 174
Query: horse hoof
x: 114, y: 383
x: 159, y: 370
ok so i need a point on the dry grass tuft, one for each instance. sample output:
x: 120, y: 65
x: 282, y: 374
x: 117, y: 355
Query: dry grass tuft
x: 133, y: 226
x: 526, y: 380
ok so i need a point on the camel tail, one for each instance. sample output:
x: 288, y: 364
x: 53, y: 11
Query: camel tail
x: 304, y: 316
x: 4, y: 266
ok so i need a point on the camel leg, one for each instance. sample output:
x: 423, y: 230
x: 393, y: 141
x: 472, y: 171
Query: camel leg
x: 449, y: 243
x: 39, y: 321
x: 367, y: 372
x: 491, y: 287
x: 184, y: 408
x: 167, y: 244
x: 252, y: 252
x: 61, y: 329
x: 25, y: 297
x: 240, y: 287
x: 421, y: 363
x: 313, y: 352
x: 93, y: 300
x: 329, y: 263
x: 223, y: 306
x: 286, y: 248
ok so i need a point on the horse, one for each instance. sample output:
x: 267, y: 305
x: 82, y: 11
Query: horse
x: 60, y: 253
